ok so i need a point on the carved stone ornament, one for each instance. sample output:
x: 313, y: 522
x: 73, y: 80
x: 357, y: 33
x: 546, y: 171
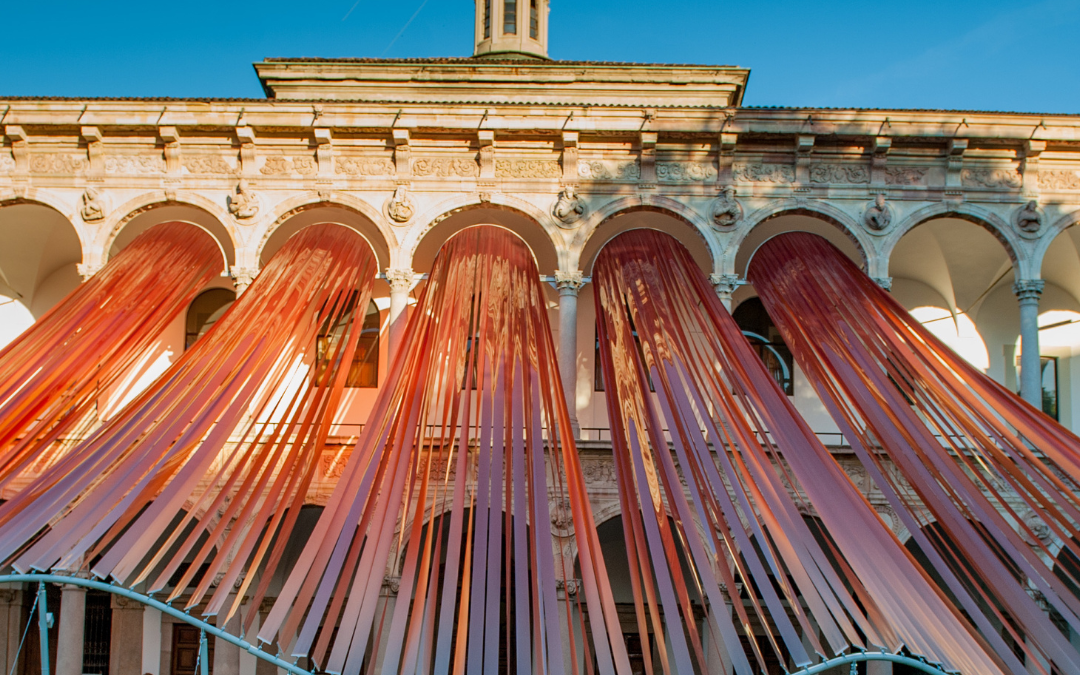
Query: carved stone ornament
x: 400, y: 208
x: 1028, y: 219
x: 400, y: 280
x: 568, y: 208
x: 243, y: 276
x: 562, y: 519
x: 878, y: 216
x: 763, y: 173
x: 243, y: 204
x: 1037, y: 527
x: 93, y: 206
x: 726, y: 210
x: 725, y: 284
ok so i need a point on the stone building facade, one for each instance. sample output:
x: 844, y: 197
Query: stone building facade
x: 967, y: 216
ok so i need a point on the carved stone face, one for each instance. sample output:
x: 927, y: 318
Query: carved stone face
x: 879, y: 201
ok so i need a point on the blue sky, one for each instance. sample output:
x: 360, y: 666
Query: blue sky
x: 983, y: 55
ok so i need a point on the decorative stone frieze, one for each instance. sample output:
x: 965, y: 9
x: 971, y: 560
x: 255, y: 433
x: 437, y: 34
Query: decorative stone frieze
x: 764, y: 173
x: 58, y: 163
x: 613, y: 170
x: 445, y: 167
x: 839, y: 173
x: 364, y: 166
x: 286, y: 166
x: 991, y: 178
x: 685, y: 172
x: 208, y: 165
x: 134, y: 165
x: 906, y: 175
x: 527, y: 168
x: 1059, y: 180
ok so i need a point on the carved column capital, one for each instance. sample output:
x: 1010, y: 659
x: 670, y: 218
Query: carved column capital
x: 569, y: 283
x: 725, y: 284
x: 884, y: 282
x: 1028, y: 290
x: 242, y: 277
x: 400, y: 280
x: 87, y: 270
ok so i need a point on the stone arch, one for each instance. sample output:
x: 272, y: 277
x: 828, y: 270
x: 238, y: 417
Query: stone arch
x: 453, y: 215
x: 1052, y: 232
x: 130, y: 218
x: 360, y: 216
x: 984, y: 218
x: 818, y: 210
x: 44, y: 250
x: 591, y: 236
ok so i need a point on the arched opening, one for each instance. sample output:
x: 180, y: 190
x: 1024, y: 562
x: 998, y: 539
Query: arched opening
x: 371, y: 354
x: 648, y: 218
x: 324, y: 212
x: 592, y: 411
x: 793, y: 221
x: 38, y: 264
x: 613, y: 548
x: 204, y: 311
x: 766, y: 340
x: 1059, y: 327
x: 1059, y: 343
x: 134, y: 225
x: 521, y: 224
x: 955, y: 277
x: 364, y: 371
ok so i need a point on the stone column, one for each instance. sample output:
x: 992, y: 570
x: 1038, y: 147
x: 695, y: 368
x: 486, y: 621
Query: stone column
x: 69, y: 641
x: 226, y: 655
x: 386, y: 604
x: 151, y: 641
x: 401, y: 282
x: 569, y: 285
x: 879, y: 668
x: 1028, y: 292
x: 725, y: 285
x: 242, y: 278
x: 11, y: 600
x: 125, y: 644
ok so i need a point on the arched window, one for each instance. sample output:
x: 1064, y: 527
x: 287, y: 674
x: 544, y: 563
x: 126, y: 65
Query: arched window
x: 204, y: 312
x: 765, y: 338
x: 364, y: 372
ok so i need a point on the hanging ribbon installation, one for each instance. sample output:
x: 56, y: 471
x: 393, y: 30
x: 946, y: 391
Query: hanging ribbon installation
x: 51, y: 376
x: 717, y: 467
x: 970, y: 469
x: 468, y: 443
x: 218, y: 453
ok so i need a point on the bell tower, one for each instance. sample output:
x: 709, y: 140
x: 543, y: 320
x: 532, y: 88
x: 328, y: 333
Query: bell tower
x: 514, y: 29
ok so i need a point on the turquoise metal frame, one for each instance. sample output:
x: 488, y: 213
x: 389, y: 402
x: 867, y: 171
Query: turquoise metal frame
x: 208, y: 628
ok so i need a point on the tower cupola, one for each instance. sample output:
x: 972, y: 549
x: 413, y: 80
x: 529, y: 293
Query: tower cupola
x: 512, y: 28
